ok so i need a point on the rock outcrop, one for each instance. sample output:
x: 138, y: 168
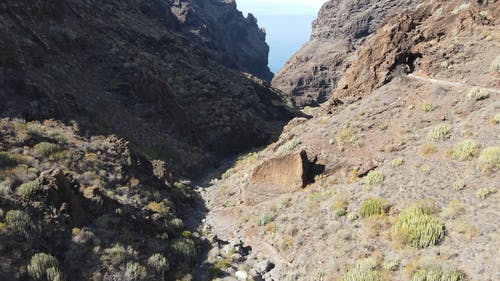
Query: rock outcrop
x: 312, y: 73
x: 235, y: 41
x: 135, y: 69
x: 277, y: 176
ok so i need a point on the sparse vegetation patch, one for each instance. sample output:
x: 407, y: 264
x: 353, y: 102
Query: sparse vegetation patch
x: 477, y: 94
x: 417, y: 227
x: 465, y: 150
x: 489, y: 160
x: 439, y: 133
x: 374, y: 178
x: 374, y: 206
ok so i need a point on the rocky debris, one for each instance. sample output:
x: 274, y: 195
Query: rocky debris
x: 276, y: 176
x: 235, y: 41
x: 131, y: 68
x: 310, y: 76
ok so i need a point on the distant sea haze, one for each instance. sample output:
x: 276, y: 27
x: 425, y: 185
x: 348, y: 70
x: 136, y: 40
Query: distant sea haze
x: 285, y: 35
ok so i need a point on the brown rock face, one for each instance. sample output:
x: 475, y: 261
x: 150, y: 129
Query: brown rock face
x: 312, y: 73
x: 278, y: 176
x: 235, y: 41
x: 408, y: 42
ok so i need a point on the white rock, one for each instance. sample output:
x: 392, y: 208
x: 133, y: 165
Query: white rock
x: 241, y: 275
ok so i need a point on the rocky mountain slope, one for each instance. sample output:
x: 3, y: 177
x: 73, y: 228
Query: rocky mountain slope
x: 233, y: 40
x: 135, y: 69
x: 405, y: 159
x: 73, y: 208
x: 312, y: 73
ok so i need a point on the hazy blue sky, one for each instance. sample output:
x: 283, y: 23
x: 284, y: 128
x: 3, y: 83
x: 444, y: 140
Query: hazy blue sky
x: 287, y: 24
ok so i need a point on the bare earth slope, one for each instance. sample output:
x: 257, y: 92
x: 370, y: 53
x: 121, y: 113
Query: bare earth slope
x: 412, y: 163
x: 312, y: 73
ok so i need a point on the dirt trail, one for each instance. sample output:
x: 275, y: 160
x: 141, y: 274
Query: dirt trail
x: 449, y: 83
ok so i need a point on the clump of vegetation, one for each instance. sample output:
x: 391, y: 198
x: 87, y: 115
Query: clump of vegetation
x: 465, y: 150
x: 288, y: 147
x: 28, y: 188
x: 374, y: 177
x: 352, y: 216
x: 340, y: 212
x: 364, y: 271
x: 418, y: 227
x: 46, y: 148
x: 19, y: 223
x: 439, y: 133
x: 266, y: 218
x: 134, y: 271
x: 459, y: 185
x: 495, y: 65
x: 489, y: 160
x: 496, y: 119
x: 427, y: 107
x: 397, y: 162
x: 158, y: 263
x: 374, y: 206
x: 117, y: 254
x: 184, y: 248
x: 158, y: 208
x: 477, y: 94
x: 383, y: 127
x: 482, y: 193
x: 437, y: 274
x: 44, y: 267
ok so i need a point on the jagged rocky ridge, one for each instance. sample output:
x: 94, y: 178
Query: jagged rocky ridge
x: 140, y: 69
x: 312, y: 73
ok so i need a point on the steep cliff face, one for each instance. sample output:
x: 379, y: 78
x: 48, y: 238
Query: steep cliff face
x: 128, y: 67
x: 235, y: 41
x: 312, y: 73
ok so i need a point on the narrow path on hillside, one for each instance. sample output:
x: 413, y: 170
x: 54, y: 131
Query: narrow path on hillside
x: 449, y: 83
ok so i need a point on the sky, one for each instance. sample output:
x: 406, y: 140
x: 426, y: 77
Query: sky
x: 287, y: 24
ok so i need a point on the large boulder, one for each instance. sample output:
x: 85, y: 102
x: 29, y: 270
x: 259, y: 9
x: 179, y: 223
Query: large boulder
x: 277, y: 176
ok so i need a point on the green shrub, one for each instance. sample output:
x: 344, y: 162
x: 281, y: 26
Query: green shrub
x: 288, y: 147
x: 459, y: 185
x: 134, y: 271
x: 496, y: 119
x: 374, y: 206
x: 352, y: 216
x: 46, y: 148
x: 364, y: 271
x: 490, y: 158
x: 184, y: 248
x: 397, y: 162
x: 116, y: 255
x: 477, y: 94
x: 19, y: 223
x: 374, y: 177
x: 439, y: 133
x: 482, y: 193
x: 465, y: 150
x: 266, y: 218
x: 44, y: 267
x: 28, y: 188
x: 495, y: 65
x: 159, y: 263
x: 427, y: 107
x: 340, y: 212
x: 437, y: 274
x: 418, y: 227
